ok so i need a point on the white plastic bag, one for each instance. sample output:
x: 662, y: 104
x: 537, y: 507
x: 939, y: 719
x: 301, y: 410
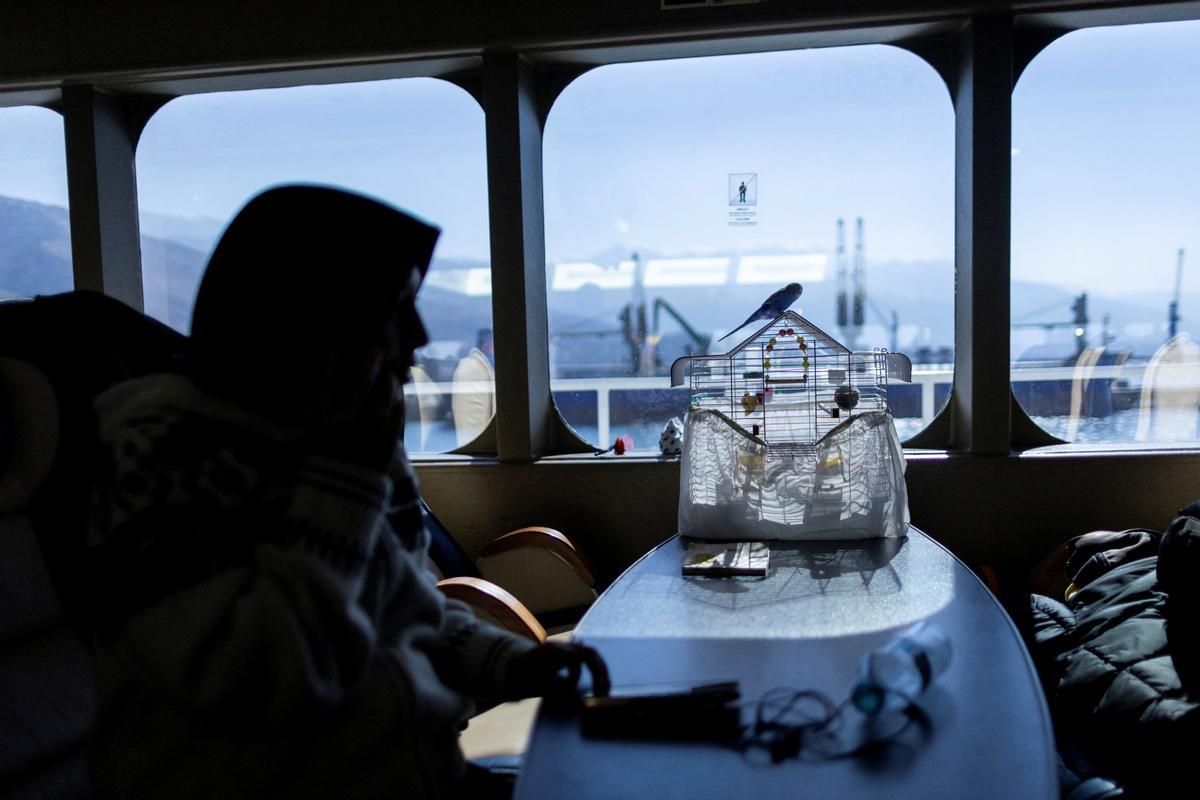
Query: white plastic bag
x: 848, y: 485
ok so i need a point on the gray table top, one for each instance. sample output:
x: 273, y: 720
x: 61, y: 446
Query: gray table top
x: 806, y: 625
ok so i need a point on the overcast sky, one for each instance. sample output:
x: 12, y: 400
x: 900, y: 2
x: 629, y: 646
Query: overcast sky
x: 1106, y: 168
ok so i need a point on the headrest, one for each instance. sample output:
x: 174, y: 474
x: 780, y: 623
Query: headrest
x: 30, y: 432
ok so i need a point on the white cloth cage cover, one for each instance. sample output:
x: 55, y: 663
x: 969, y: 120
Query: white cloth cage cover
x: 847, y: 485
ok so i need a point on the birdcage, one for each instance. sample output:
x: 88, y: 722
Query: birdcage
x: 789, y: 436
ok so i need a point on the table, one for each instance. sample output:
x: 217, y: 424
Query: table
x: 806, y: 625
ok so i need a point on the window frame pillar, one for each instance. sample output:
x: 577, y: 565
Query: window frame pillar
x: 524, y: 408
x: 981, y: 401
x: 101, y: 143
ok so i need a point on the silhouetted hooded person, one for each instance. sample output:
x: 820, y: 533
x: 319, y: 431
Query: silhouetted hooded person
x: 266, y: 626
x: 297, y: 294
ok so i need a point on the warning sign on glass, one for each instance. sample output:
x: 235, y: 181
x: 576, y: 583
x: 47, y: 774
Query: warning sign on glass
x: 743, y: 197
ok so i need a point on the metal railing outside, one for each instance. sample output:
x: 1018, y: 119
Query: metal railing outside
x: 1175, y: 378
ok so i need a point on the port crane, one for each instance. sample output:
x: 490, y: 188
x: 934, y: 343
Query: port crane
x: 850, y: 308
x: 1078, y: 322
x: 643, y: 337
x: 1173, y: 308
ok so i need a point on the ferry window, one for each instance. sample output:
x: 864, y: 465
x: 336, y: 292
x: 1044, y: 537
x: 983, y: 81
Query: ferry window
x: 35, y: 231
x: 417, y: 143
x: 1106, y: 235
x: 679, y: 194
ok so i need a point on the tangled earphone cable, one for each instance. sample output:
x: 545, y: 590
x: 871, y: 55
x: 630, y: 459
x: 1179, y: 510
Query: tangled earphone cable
x: 790, y: 723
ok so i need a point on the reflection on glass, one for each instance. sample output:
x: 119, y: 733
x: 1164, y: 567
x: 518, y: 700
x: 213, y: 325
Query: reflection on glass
x: 1105, y: 396
x: 1169, y: 402
x: 679, y: 194
x: 448, y: 413
x: 1105, y: 216
x: 474, y: 381
x: 423, y: 398
x: 417, y: 143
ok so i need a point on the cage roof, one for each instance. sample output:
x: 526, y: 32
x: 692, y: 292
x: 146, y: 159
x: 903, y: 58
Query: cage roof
x: 790, y: 317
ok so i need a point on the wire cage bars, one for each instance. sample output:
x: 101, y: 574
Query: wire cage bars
x: 788, y: 437
x: 791, y: 383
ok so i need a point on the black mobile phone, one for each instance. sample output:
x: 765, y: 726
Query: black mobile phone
x: 698, y: 713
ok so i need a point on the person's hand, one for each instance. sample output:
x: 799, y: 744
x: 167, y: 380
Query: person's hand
x: 554, y: 668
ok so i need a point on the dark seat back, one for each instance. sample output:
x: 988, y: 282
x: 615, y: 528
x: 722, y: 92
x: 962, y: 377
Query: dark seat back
x: 56, y: 354
x: 83, y: 342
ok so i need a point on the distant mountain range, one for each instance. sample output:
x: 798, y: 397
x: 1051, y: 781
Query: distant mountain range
x: 198, y: 233
x: 35, y: 258
x: 35, y: 248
